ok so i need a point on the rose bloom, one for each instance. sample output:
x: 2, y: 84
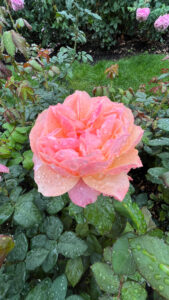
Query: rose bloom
x: 17, y: 4
x: 162, y: 23
x: 142, y: 14
x: 3, y: 169
x: 85, y: 147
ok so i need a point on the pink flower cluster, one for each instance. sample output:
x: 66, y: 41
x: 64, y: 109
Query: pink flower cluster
x: 17, y: 4
x: 162, y: 23
x: 85, y: 146
x: 142, y: 14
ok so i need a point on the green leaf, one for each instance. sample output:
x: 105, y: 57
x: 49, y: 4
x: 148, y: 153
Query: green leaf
x: 107, y: 254
x: 54, y: 205
x: 122, y: 258
x: 52, y: 257
x: 151, y: 257
x: 101, y: 214
x: 8, y: 43
x: 132, y: 212
x: 39, y: 241
x: 35, y: 65
x: 70, y: 245
x: 35, y: 258
x: 74, y: 270
x: 165, y: 178
x: 18, y: 138
x: 74, y: 297
x: 40, y: 291
x: 105, y: 278
x: 53, y: 227
x: 163, y: 124
x: 154, y: 174
x: 133, y: 290
x: 27, y: 162
x: 26, y: 213
x: 163, y: 141
x: 77, y: 212
x: 69, y: 4
x: 6, y: 211
x: 17, y: 276
x: 58, y: 289
x: 20, y: 249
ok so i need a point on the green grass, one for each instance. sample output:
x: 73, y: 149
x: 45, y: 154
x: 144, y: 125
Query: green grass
x: 133, y: 71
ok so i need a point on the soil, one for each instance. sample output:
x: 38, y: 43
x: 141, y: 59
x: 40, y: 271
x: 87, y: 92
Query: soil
x: 127, y: 46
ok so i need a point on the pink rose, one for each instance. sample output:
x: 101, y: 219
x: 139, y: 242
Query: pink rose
x: 85, y: 146
x: 162, y: 23
x: 3, y: 169
x: 17, y: 4
x: 142, y: 14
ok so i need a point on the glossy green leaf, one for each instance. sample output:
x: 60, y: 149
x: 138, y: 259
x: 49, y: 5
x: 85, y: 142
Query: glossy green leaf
x: 163, y: 141
x: 105, y: 278
x: 52, y: 257
x: 6, y: 211
x: 131, y: 210
x: 35, y: 258
x: 53, y: 227
x: 163, y: 124
x: 8, y: 43
x: 26, y: 213
x: 101, y: 214
x: 133, y: 290
x: 27, y: 162
x: 40, y: 291
x: 58, y: 289
x: 20, y: 249
x: 74, y: 297
x: 151, y: 257
x: 74, y: 270
x: 54, y: 205
x: 122, y: 258
x: 71, y: 246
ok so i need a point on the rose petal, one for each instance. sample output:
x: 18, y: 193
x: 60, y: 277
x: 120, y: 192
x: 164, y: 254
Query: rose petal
x: 82, y: 195
x: 133, y: 139
x: 52, y: 184
x: 125, y: 162
x: 37, y: 130
x: 112, y: 185
x: 80, y: 102
x: 4, y: 169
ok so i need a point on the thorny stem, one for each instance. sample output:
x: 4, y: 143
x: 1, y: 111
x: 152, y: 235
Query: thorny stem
x: 6, y: 2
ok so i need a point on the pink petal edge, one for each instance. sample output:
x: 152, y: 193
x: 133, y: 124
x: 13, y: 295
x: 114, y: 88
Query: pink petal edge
x: 82, y: 195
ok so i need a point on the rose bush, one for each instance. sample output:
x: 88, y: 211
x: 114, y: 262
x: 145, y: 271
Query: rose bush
x: 85, y: 146
x: 162, y: 23
x: 142, y: 14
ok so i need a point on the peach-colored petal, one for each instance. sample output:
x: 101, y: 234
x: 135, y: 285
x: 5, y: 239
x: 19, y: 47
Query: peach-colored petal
x: 80, y: 102
x: 112, y: 185
x: 37, y: 130
x: 133, y: 139
x: 125, y: 162
x: 82, y: 195
x: 51, y: 184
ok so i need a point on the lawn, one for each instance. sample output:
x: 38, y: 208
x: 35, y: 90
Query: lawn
x: 133, y: 71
